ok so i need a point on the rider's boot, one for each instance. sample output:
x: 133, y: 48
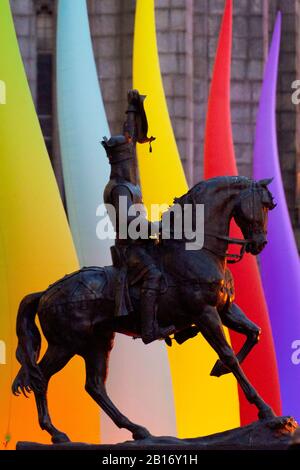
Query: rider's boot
x: 149, y: 326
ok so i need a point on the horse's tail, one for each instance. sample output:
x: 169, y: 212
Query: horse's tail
x: 29, y: 376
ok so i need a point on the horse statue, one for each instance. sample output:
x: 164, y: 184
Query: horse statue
x: 77, y: 313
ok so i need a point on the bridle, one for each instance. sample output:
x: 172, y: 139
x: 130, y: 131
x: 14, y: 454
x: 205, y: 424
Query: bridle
x: 233, y: 257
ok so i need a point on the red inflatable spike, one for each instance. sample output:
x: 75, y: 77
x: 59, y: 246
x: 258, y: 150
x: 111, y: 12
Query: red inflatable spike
x: 219, y: 159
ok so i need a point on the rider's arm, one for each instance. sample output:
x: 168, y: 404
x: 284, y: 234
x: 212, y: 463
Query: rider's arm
x: 129, y: 127
x: 130, y: 124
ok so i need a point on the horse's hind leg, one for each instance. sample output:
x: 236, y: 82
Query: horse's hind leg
x: 211, y: 328
x: 53, y: 361
x: 235, y: 319
x: 96, y: 360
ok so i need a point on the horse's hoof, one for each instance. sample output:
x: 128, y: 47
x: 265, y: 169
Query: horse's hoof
x: 60, y: 438
x: 268, y: 413
x: 219, y: 369
x: 140, y: 433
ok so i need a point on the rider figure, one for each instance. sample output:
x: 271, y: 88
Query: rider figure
x: 121, y: 152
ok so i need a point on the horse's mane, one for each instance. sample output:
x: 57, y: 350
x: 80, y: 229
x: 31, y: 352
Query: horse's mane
x: 201, y: 189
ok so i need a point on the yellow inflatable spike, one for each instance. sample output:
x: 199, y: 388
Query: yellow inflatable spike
x: 36, y: 248
x: 203, y: 404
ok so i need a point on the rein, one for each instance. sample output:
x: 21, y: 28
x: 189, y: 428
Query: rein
x: 235, y: 258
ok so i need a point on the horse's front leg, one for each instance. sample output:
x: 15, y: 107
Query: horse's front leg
x: 211, y: 328
x: 235, y: 319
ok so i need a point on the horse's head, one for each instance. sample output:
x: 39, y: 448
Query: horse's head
x: 251, y: 214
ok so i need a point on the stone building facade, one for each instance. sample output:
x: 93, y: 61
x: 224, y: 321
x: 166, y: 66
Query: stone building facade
x: 187, y: 33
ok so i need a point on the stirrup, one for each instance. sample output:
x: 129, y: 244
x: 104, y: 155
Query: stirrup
x: 158, y: 334
x: 166, y: 332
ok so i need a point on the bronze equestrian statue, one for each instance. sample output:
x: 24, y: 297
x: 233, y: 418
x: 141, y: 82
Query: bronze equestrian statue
x: 78, y: 313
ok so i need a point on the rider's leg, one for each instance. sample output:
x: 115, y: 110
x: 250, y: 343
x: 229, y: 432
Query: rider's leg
x: 150, y: 329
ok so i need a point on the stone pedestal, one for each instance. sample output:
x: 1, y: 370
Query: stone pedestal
x: 273, y: 434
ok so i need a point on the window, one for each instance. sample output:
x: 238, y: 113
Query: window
x: 45, y: 41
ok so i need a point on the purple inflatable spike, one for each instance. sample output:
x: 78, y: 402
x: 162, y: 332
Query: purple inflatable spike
x: 280, y: 268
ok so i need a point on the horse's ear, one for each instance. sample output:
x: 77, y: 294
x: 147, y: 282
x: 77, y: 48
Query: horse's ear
x: 265, y: 182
